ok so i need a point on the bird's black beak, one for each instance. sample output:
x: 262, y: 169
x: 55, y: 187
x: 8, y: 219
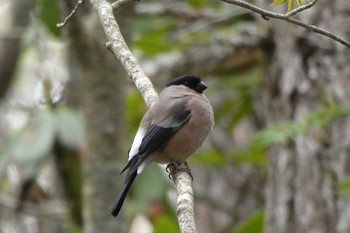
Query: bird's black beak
x: 201, y: 87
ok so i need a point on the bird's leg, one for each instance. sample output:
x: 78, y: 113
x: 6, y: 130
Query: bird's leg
x: 174, y: 167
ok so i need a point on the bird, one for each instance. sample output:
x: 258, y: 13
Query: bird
x: 170, y: 131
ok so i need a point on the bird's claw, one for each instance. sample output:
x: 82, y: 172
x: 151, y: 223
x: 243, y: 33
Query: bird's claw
x: 174, y: 167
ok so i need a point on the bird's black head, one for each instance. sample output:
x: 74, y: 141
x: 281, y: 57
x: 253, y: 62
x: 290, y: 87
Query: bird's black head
x: 192, y: 82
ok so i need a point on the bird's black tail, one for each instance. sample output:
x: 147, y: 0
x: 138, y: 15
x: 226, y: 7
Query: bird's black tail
x: 119, y: 203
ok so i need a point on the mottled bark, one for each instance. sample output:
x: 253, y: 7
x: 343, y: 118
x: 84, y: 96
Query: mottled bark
x: 305, y: 71
x: 103, y: 88
x: 226, y: 195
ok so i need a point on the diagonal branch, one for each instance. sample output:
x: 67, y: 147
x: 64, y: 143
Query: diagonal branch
x: 288, y: 17
x: 119, y: 48
x: 119, y: 3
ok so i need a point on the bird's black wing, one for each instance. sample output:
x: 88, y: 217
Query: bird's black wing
x: 157, y: 135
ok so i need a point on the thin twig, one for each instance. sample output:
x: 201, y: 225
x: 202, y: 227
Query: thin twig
x: 287, y: 17
x: 118, y: 3
x: 266, y: 13
x: 301, y: 8
x: 79, y: 3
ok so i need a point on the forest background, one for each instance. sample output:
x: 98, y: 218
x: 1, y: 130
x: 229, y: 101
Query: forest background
x: 276, y: 161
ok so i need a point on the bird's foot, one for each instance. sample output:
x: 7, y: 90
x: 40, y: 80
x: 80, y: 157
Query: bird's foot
x: 174, y: 167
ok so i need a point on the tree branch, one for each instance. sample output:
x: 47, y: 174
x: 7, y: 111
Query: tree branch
x: 79, y: 3
x: 185, y: 207
x: 119, y: 3
x: 301, y: 8
x: 119, y: 48
x: 288, y: 17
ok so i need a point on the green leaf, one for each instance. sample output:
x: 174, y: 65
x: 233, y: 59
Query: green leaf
x: 253, y: 224
x: 50, y: 15
x: 279, y: 133
x: 238, y: 89
x: 197, y: 3
x: 285, y: 131
x: 234, y: 108
x: 150, y: 186
x: 135, y: 108
x: 6, y: 154
x: 153, y: 36
x: 153, y: 43
x: 165, y: 223
x: 290, y: 3
x: 344, y: 186
x: 254, y: 154
x: 35, y: 141
x: 276, y: 2
x: 70, y: 127
x: 209, y: 156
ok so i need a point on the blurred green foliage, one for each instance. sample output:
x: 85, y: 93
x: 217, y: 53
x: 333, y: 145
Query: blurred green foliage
x: 155, y: 39
x: 35, y: 141
x: 254, y: 154
x: 158, y: 34
x: 313, y: 121
x: 151, y: 186
x: 32, y: 143
x: 344, y: 186
x: 239, y: 87
x: 197, y: 3
x: 166, y: 223
x: 135, y: 108
x: 253, y: 224
x: 209, y: 156
x: 50, y: 15
x: 69, y: 127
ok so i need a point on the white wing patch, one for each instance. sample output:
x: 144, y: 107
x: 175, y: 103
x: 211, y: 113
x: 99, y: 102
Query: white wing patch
x: 141, y: 167
x: 136, y: 143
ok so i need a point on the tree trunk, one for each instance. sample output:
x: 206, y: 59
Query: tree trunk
x: 307, y: 71
x: 103, y: 90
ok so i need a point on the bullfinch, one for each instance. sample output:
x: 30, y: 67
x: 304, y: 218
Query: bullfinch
x: 171, y: 130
